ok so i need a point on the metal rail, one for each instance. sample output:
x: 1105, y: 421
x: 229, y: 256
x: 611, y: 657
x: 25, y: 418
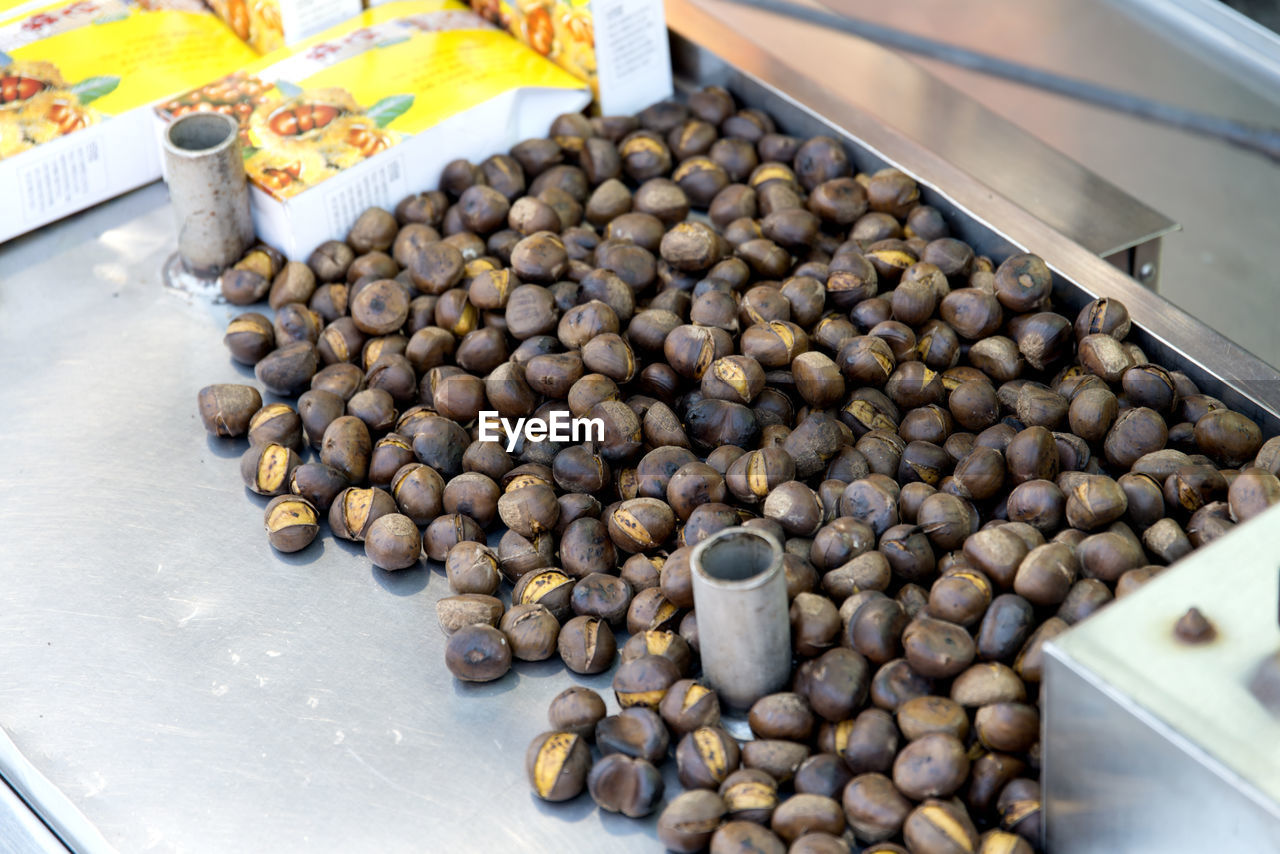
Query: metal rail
x: 1256, y: 138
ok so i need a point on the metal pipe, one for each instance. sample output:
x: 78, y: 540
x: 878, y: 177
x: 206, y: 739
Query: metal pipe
x: 205, y: 173
x: 744, y: 630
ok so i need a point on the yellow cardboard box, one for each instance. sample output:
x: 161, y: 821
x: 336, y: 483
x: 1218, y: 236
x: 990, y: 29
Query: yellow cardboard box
x: 269, y: 25
x: 618, y: 46
x: 371, y: 111
x: 77, y: 79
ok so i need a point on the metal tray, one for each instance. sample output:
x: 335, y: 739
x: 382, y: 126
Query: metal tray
x: 169, y: 683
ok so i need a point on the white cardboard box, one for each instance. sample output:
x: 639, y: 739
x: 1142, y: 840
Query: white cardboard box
x: 79, y: 131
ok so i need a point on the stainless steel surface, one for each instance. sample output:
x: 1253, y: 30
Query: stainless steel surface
x: 744, y: 628
x: 1220, y: 268
x: 209, y: 191
x: 1154, y: 745
x: 1213, y: 29
x: 21, y: 831
x: 1259, y: 139
x: 182, y: 686
x: 170, y: 683
x: 1055, y: 189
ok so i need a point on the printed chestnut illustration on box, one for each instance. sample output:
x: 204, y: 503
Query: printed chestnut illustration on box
x: 268, y: 25
x: 254, y: 21
x: 299, y: 140
x: 293, y: 138
x: 618, y: 47
x: 37, y: 105
x: 235, y: 95
x: 374, y: 106
x: 560, y: 31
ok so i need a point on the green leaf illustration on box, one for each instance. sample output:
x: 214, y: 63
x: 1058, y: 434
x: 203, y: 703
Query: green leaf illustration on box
x: 5, y: 60
x: 389, y: 109
x: 289, y: 90
x: 93, y: 88
x: 247, y: 151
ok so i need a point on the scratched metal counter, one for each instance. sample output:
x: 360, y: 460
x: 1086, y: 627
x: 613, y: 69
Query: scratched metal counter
x: 169, y: 683
x: 181, y: 686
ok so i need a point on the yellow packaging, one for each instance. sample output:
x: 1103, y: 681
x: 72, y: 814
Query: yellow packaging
x: 76, y: 83
x: 619, y: 47
x: 13, y: 8
x: 269, y: 25
x: 371, y: 111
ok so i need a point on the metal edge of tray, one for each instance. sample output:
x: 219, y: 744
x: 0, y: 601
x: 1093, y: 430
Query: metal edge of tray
x: 21, y: 829
x: 1081, y: 818
x: 993, y: 223
x: 1248, y: 50
x: 1186, y: 708
x: 38, y: 815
